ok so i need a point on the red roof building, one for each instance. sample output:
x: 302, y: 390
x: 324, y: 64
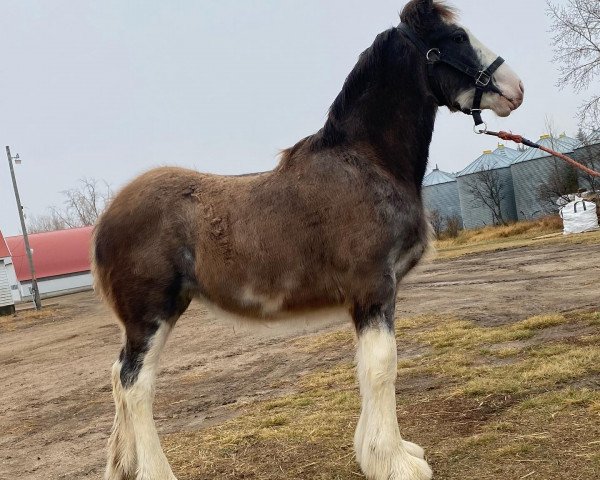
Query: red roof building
x: 61, y: 252
x: 4, y: 251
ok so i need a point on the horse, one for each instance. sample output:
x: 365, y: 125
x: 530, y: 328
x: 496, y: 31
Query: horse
x: 335, y: 226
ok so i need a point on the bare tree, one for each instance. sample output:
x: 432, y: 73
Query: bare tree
x: 82, y: 207
x: 487, y: 189
x: 589, y: 155
x: 437, y: 222
x: 576, y: 41
x: 45, y: 223
x: 561, y: 182
x: 561, y: 179
x: 84, y: 204
x: 453, y: 226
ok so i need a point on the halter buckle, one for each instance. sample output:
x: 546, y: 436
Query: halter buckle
x: 483, y: 79
x: 436, y: 55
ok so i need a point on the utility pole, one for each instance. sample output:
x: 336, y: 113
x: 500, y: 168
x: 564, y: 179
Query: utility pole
x: 34, y: 285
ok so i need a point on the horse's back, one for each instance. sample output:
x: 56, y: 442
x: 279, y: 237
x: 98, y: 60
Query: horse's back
x: 305, y: 236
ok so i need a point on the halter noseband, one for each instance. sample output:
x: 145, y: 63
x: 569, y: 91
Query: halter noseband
x: 483, y: 78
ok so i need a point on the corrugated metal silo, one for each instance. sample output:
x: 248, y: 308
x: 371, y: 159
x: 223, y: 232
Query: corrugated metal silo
x: 535, y: 168
x: 478, y: 212
x: 588, y: 153
x: 440, y: 193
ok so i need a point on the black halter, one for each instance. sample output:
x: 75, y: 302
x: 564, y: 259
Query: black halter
x: 483, y: 78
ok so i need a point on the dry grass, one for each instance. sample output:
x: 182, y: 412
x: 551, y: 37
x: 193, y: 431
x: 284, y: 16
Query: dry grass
x: 532, y: 228
x: 544, y: 231
x: 277, y: 439
x: 509, y: 402
x: 508, y: 359
x: 25, y: 318
x: 325, y: 341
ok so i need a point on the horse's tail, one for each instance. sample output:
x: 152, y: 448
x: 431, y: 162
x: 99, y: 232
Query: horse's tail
x: 99, y: 269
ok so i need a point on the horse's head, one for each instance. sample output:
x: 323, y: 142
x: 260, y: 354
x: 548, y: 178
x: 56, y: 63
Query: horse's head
x: 462, y: 70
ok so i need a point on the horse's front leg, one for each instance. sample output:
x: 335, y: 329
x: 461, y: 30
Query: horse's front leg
x: 380, y: 450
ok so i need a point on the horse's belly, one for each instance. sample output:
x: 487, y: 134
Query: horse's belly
x: 301, y: 320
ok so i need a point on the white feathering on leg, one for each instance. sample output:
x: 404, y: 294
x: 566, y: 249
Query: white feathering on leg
x: 151, y: 461
x: 121, y: 444
x: 380, y: 450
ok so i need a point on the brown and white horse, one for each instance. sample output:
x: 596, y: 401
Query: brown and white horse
x: 337, y: 224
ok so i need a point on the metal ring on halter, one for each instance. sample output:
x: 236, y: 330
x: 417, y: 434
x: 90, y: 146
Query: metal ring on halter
x: 433, y: 50
x: 478, y: 131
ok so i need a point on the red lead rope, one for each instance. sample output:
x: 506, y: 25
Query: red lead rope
x: 529, y: 143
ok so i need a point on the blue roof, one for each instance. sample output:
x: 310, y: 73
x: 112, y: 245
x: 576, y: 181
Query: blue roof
x: 509, y: 153
x: 436, y: 177
x: 562, y: 144
x: 572, y: 142
x: 488, y: 161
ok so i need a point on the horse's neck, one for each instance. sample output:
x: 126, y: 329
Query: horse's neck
x: 396, y: 120
x: 402, y: 141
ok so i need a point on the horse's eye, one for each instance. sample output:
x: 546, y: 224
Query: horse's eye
x: 460, y: 38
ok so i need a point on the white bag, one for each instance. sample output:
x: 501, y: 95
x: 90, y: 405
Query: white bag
x: 579, y: 216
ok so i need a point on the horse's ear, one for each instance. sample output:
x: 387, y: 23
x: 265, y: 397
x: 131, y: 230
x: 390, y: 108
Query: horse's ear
x: 418, y: 13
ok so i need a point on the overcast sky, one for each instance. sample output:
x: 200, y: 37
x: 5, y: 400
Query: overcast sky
x: 109, y: 89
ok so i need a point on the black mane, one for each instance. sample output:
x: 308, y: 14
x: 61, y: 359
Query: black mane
x: 368, y: 69
x: 389, y: 100
x: 387, y: 87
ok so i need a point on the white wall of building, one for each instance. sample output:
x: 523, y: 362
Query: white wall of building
x: 54, y: 286
x: 12, y: 278
x: 6, y: 299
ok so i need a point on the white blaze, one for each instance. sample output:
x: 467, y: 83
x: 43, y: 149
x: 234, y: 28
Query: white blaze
x: 504, y: 78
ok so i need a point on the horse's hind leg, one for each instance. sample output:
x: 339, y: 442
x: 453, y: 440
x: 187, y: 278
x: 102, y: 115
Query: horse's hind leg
x: 122, y: 462
x: 134, y: 446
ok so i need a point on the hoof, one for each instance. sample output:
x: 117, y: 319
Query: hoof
x: 394, y: 464
x: 414, y: 449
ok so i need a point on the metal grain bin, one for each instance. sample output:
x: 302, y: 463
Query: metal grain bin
x: 534, y: 172
x: 588, y: 153
x: 440, y: 193
x: 489, y: 172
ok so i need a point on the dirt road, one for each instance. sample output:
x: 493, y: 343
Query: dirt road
x: 55, y: 401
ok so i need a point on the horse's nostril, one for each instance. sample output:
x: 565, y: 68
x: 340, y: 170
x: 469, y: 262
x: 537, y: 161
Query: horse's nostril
x: 521, y: 87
